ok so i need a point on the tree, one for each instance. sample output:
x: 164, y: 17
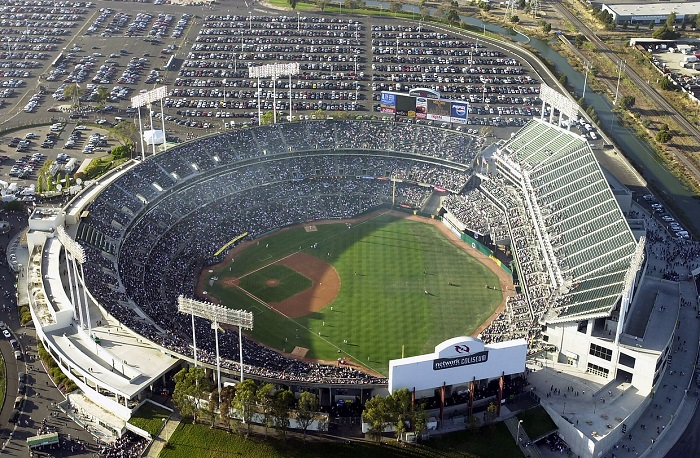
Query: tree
x: 667, y: 85
x: 593, y: 115
x: 266, y: 399
x: 227, y: 395
x: 579, y: 40
x: 665, y: 33
x: 514, y: 19
x: 547, y: 27
x: 102, y: 95
x: 191, y: 386
x: 420, y: 418
x: 307, y: 406
x: 322, y: 4
x: 664, y: 135
x: 424, y: 12
x: 127, y: 132
x: 293, y: 3
x: 490, y: 413
x: 697, y: 21
x: 244, y: 401
x: 284, y: 399
x: 267, y: 118
x: 377, y: 415
x: 452, y: 16
x: 73, y: 92
x: 671, y: 20
x: 395, y: 7
x: 212, y: 405
x: 627, y: 102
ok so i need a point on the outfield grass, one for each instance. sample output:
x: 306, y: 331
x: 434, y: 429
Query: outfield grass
x: 150, y: 418
x: 385, y: 265
x: 290, y: 283
x: 199, y: 441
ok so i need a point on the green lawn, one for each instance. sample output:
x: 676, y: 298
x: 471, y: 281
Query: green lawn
x: 150, y: 418
x: 386, y: 265
x: 199, y: 441
x: 290, y: 283
x: 536, y: 422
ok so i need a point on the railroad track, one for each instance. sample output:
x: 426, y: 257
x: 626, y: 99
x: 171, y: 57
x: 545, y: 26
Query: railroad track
x: 663, y: 107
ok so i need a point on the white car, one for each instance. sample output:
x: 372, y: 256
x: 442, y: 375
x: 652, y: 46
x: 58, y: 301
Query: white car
x: 80, y: 127
x: 6, y: 333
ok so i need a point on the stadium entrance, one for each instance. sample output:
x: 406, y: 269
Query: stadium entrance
x: 461, y: 361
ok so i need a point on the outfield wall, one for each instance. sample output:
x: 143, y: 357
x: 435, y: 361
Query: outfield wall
x: 449, y: 221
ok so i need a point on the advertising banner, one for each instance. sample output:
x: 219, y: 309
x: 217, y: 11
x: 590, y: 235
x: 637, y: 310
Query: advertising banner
x: 421, y: 107
x: 388, y: 103
x: 405, y: 105
x: 439, y: 110
x: 460, y: 112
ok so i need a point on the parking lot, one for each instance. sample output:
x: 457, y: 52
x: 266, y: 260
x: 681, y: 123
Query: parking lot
x: 97, y: 55
x: 66, y: 144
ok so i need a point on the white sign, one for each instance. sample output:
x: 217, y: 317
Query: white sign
x: 456, y: 362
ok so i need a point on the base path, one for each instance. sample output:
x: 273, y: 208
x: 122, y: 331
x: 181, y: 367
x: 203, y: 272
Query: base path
x: 324, y: 289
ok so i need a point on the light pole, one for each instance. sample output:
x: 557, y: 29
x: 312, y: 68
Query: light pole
x: 397, y: 50
x: 298, y: 22
x: 250, y: 20
x: 585, y: 79
x: 420, y: 22
x: 518, y: 438
x: 619, y: 76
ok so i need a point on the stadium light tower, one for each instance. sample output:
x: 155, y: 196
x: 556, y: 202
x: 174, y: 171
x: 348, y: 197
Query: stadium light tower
x: 565, y: 105
x: 217, y: 314
x: 75, y: 257
x: 146, y: 99
x: 273, y: 71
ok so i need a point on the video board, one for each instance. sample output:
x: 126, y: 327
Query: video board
x: 443, y: 110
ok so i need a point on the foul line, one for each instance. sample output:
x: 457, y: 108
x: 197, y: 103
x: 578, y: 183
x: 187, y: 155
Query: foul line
x: 268, y: 306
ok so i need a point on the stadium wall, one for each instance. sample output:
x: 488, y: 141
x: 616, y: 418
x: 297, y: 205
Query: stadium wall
x: 450, y: 221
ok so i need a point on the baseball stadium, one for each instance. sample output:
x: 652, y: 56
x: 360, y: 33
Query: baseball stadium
x: 352, y: 243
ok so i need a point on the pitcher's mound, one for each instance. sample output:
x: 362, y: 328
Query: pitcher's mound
x: 271, y: 283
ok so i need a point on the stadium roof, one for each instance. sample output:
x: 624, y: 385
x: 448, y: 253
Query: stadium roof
x: 585, y: 241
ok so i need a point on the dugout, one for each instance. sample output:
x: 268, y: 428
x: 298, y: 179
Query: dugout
x: 461, y: 361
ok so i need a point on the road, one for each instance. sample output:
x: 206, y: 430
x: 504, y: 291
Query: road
x: 41, y: 394
x: 664, y: 108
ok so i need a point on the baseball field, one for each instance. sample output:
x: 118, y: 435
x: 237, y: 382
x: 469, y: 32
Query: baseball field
x: 359, y: 290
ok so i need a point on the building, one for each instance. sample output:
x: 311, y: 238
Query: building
x: 643, y: 13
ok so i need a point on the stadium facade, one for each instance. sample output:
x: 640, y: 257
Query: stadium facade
x: 576, y: 262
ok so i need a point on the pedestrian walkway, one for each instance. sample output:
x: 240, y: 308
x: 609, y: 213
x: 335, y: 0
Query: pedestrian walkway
x: 163, y: 437
x: 529, y: 449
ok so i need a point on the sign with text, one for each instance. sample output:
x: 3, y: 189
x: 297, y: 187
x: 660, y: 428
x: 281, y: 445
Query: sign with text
x: 456, y: 362
x: 449, y: 363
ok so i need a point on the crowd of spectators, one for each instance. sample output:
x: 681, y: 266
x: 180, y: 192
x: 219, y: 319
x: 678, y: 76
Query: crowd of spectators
x: 679, y: 256
x: 171, y: 213
x: 127, y: 446
x: 478, y: 214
